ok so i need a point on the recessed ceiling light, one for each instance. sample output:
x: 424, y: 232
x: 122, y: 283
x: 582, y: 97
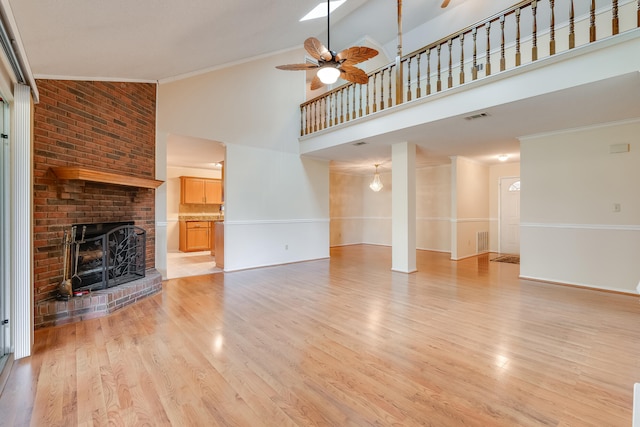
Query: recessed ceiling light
x: 321, y: 10
x: 503, y: 157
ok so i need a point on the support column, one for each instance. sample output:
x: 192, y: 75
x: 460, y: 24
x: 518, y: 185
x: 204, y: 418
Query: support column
x: 161, y: 223
x: 403, y: 207
x: 21, y: 222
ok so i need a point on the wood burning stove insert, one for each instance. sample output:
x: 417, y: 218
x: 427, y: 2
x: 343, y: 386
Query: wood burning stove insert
x: 109, y: 254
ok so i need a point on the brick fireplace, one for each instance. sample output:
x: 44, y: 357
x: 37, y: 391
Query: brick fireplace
x: 103, y: 129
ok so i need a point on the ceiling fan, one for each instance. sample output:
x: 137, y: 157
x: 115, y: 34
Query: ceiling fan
x: 332, y: 65
x: 445, y: 3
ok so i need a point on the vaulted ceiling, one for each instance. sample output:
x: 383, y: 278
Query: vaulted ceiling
x: 151, y: 40
x: 157, y: 40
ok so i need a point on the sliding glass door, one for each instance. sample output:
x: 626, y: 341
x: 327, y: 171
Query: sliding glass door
x: 4, y: 234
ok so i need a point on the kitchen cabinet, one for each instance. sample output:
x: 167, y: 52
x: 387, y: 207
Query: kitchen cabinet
x: 200, y: 191
x: 195, y: 236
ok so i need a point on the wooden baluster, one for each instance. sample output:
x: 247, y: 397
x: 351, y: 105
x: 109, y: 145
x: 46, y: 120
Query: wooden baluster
x: 302, y: 113
x: 552, y: 35
x: 353, y: 102
x: 314, y: 113
x: 615, y: 22
x: 474, y: 70
x: 462, y: 58
x: 450, y: 78
x: 382, y: 90
x: 348, y: 116
x: 503, y: 61
x: 360, y: 103
x: 326, y: 111
x: 488, y: 54
x: 342, y: 105
x: 439, y: 82
x: 321, y: 114
x: 409, y: 78
x: 572, y: 26
x: 592, y: 22
x: 390, y: 99
x: 429, y: 71
x: 418, y: 92
x: 518, y: 55
x: 638, y: 14
x: 330, y: 109
x: 534, y: 47
x: 375, y: 98
x: 367, y: 98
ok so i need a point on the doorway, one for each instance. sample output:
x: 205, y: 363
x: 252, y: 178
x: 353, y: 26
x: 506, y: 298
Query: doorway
x: 510, y: 215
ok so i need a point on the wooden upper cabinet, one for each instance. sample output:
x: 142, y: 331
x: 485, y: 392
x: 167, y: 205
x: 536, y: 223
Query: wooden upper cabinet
x: 202, y: 191
x: 212, y: 192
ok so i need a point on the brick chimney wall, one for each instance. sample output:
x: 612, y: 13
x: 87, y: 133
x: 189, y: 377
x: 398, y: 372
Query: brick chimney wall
x: 106, y: 126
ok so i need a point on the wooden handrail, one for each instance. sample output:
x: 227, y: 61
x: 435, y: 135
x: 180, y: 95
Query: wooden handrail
x: 404, y: 79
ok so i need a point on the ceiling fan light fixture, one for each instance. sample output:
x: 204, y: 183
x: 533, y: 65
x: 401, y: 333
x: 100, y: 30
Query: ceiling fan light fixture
x: 328, y: 75
x: 376, y: 184
x: 503, y: 157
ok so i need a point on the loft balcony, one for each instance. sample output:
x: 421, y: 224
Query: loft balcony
x: 539, y: 66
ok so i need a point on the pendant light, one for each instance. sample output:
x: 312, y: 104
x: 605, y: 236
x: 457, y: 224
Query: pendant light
x: 376, y: 184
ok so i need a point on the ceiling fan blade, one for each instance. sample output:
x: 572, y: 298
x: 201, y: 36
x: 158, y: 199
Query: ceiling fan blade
x: 296, y: 67
x: 445, y: 3
x: 356, y: 54
x: 316, y: 83
x: 353, y: 74
x: 317, y: 50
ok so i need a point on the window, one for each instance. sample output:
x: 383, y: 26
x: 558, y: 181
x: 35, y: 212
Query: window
x: 515, y: 186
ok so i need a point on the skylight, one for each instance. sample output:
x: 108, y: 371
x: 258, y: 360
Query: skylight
x: 321, y: 10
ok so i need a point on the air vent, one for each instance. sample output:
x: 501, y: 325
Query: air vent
x: 476, y: 116
x: 359, y: 143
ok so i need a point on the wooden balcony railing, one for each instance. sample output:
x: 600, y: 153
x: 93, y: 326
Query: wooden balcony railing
x: 522, y: 34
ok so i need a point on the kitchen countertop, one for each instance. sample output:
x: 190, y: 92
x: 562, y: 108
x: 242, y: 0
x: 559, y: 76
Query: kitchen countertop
x: 201, y: 217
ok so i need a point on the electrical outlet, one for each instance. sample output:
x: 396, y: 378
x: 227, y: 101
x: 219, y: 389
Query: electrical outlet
x: 617, y: 207
x: 286, y: 247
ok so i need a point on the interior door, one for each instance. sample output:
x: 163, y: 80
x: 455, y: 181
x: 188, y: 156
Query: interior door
x: 510, y: 215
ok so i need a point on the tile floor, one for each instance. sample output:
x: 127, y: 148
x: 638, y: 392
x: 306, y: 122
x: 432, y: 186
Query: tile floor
x: 184, y: 264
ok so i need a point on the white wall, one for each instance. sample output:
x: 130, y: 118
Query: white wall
x: 359, y: 215
x: 273, y: 198
x: 345, y: 208
x: 469, y: 205
x: 569, y: 231
x: 433, y: 208
x: 376, y: 211
x: 276, y: 208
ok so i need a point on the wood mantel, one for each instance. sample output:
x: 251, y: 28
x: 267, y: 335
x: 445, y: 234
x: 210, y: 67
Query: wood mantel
x: 78, y: 173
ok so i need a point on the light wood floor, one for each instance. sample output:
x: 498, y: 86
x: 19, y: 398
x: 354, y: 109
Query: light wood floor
x: 344, y: 342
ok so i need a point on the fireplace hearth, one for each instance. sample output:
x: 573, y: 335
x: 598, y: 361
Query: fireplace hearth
x: 106, y: 265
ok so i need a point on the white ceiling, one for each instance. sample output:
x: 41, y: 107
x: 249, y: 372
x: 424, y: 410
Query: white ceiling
x: 151, y: 40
